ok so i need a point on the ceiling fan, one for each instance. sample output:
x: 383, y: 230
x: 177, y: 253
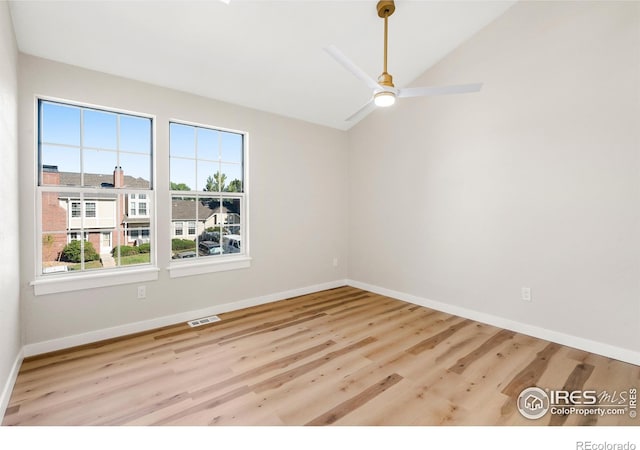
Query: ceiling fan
x: 384, y: 92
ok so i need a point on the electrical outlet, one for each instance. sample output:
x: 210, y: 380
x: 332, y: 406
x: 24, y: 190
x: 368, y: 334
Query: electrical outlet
x: 335, y: 262
x: 525, y: 294
x: 142, y: 292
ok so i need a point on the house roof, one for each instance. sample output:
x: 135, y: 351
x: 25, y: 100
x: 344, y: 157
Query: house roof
x: 185, y: 210
x: 136, y: 220
x: 101, y: 180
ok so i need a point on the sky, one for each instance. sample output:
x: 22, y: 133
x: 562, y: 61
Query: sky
x: 195, y: 153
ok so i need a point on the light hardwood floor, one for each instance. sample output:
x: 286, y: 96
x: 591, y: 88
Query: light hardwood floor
x: 342, y: 356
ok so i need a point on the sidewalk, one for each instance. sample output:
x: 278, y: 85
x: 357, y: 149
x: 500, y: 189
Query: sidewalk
x: 107, y: 260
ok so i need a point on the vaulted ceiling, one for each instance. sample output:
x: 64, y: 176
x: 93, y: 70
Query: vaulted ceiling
x: 266, y: 55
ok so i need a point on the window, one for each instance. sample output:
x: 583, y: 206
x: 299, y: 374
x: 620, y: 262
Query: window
x: 74, y: 236
x: 90, y: 209
x: 138, y: 235
x: 208, y: 179
x: 76, y: 210
x: 89, y: 161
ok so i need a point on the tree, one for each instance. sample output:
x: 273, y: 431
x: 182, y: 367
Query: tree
x: 216, y: 182
x: 179, y: 187
x: 235, y: 186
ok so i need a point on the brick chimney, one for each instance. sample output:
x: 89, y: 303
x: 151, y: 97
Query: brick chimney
x: 50, y: 175
x: 118, y: 177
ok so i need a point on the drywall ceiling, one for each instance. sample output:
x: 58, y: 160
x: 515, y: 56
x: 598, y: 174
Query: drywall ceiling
x: 266, y: 55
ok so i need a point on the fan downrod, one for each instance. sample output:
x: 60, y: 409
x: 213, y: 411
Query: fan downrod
x: 386, y: 8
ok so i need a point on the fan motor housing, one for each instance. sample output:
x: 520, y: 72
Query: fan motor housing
x: 386, y: 8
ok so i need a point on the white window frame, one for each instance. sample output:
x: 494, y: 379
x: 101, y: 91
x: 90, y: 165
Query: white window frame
x: 44, y: 284
x: 196, y: 266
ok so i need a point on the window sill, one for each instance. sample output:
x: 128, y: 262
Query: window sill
x: 56, y: 284
x: 188, y: 268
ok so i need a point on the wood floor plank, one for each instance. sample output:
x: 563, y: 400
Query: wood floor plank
x: 355, y: 402
x: 494, y: 341
x: 342, y: 356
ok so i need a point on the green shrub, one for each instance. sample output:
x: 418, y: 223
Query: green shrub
x: 72, y: 252
x: 144, y: 248
x: 182, y: 244
x: 125, y: 250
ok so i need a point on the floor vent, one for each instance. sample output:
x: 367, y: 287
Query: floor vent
x: 203, y: 321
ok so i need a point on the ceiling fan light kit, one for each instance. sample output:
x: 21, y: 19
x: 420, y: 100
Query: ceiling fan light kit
x: 384, y: 91
x: 384, y: 98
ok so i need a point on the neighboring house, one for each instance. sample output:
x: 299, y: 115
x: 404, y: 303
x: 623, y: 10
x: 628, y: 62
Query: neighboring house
x: 190, y: 218
x: 98, y: 219
x: 99, y: 212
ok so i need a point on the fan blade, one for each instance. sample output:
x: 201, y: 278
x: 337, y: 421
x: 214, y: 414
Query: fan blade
x: 351, y: 67
x: 366, y: 109
x: 439, y: 90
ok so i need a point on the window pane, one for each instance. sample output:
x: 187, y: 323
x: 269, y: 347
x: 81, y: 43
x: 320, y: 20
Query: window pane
x: 208, y: 144
x: 100, y: 129
x: 183, y: 209
x: 183, y: 174
x: 57, y: 160
x: 54, y: 219
x: 232, y: 209
x: 231, y: 147
x: 59, y: 124
x: 56, y: 210
x: 232, y: 174
x: 135, y: 134
x: 210, y: 232
x: 182, y: 140
x: 137, y: 170
x: 52, y: 245
x: 209, y: 178
x: 80, y: 253
x: 98, y: 167
x: 136, y: 249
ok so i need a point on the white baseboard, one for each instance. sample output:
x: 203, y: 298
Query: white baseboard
x: 7, y: 389
x: 136, y: 327
x: 599, y: 348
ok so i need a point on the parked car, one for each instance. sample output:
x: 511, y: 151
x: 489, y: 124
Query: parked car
x: 206, y: 248
x: 210, y: 236
x: 231, y: 243
x: 186, y: 254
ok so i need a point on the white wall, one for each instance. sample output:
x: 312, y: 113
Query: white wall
x: 533, y: 182
x: 298, y: 209
x: 10, y: 335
